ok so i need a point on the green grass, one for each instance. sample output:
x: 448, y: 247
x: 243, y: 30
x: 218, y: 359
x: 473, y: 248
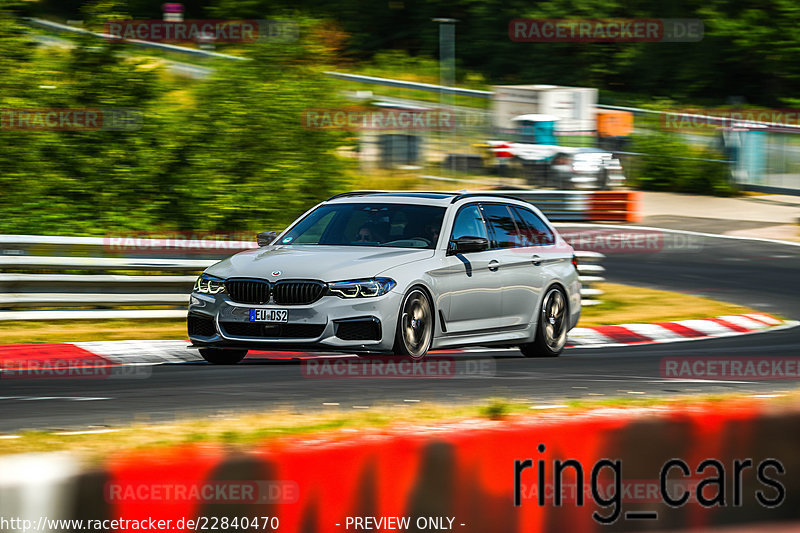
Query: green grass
x: 247, y: 429
x: 33, y: 331
x: 624, y: 304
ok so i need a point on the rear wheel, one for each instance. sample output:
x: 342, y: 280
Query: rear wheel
x: 551, y: 330
x: 414, y: 325
x: 217, y: 356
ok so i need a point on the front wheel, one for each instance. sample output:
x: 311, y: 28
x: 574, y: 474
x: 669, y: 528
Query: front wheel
x: 414, y: 325
x: 217, y: 356
x: 551, y: 329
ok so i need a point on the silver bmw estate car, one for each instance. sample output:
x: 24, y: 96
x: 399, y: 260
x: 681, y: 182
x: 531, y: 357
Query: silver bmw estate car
x: 394, y: 272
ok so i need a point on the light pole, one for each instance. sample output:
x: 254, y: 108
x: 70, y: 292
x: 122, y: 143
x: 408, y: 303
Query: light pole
x: 447, y: 72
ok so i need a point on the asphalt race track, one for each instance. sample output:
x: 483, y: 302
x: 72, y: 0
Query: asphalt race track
x: 762, y: 275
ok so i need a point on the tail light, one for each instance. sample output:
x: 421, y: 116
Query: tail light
x: 575, y: 261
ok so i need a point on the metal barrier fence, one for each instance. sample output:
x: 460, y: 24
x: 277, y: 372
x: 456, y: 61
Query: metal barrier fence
x: 70, y: 278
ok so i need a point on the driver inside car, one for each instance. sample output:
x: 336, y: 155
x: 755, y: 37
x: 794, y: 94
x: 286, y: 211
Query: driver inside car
x: 368, y: 233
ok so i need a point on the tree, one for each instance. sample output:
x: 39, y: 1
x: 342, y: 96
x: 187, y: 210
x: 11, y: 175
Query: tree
x: 227, y: 154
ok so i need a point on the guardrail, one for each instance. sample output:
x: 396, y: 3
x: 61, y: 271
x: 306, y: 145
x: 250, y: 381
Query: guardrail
x: 590, y: 272
x: 71, y: 278
x: 55, y: 26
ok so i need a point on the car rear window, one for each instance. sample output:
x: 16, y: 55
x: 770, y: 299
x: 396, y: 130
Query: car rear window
x: 532, y: 228
x: 505, y: 233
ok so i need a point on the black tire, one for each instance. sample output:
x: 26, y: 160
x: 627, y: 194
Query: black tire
x: 551, y: 327
x: 415, y: 323
x: 217, y: 356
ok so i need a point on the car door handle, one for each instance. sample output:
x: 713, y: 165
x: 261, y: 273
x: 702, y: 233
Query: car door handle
x: 536, y: 260
x: 494, y: 264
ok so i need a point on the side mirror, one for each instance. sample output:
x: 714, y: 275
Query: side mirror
x: 266, y: 237
x: 465, y: 245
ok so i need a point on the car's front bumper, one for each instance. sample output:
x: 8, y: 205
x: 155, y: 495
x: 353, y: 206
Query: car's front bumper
x: 331, y: 323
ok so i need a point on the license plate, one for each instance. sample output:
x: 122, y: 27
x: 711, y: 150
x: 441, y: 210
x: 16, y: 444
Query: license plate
x: 269, y: 315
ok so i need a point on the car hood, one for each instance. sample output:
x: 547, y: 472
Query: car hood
x: 326, y: 263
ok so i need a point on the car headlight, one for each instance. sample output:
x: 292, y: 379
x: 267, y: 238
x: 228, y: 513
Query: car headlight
x: 361, y: 288
x: 208, y: 284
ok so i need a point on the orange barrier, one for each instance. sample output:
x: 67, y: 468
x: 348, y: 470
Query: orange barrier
x: 468, y: 474
x: 615, y: 206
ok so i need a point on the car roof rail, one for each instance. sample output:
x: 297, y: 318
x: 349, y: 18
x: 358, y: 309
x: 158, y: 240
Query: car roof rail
x: 456, y: 195
x: 353, y: 193
x: 410, y: 193
x: 485, y: 193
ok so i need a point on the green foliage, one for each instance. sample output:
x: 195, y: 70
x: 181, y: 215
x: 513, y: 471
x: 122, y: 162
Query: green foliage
x: 260, y: 167
x: 228, y: 154
x: 749, y: 48
x: 389, y: 62
x: 670, y: 164
x: 496, y: 409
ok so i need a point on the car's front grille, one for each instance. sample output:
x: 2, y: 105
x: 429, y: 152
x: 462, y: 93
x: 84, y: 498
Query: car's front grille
x: 258, y: 291
x: 248, y: 291
x: 200, y: 326
x: 270, y: 330
x: 297, y: 292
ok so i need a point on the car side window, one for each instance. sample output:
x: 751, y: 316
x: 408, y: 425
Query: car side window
x: 534, y: 231
x: 505, y: 233
x: 469, y: 223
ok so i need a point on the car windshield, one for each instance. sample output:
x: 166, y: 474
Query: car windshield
x: 368, y: 224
